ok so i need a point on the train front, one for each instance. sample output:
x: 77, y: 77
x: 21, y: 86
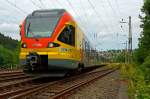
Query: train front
x: 39, y: 45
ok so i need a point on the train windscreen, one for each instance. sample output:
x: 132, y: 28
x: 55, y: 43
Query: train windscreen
x: 40, y: 27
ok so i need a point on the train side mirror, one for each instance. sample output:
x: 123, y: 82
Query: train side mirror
x: 20, y: 26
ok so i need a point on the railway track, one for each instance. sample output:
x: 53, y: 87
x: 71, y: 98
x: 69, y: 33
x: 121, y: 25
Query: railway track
x: 15, y: 84
x: 5, y: 73
x: 56, y: 89
x: 12, y: 75
x: 13, y: 80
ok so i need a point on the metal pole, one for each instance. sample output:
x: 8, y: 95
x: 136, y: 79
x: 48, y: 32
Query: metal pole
x: 130, y: 41
x: 129, y: 53
x: 126, y: 53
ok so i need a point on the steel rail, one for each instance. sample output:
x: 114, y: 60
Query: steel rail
x: 68, y: 90
x: 11, y: 75
x: 17, y: 77
x: 55, y: 83
x: 15, y: 92
x: 30, y: 91
x: 9, y: 72
x: 9, y: 85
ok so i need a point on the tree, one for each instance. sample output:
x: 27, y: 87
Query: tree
x: 144, y: 42
x: 143, y: 52
x: 9, y: 51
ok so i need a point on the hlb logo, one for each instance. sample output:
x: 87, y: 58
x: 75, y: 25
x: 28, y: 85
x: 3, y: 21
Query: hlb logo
x: 37, y: 45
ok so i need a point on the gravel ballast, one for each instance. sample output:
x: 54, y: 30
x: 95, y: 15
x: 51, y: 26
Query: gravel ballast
x: 108, y: 87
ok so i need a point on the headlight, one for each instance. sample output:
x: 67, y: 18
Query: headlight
x: 24, y: 45
x: 51, y: 45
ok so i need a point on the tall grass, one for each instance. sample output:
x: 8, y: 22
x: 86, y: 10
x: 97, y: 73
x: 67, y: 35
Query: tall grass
x: 137, y: 86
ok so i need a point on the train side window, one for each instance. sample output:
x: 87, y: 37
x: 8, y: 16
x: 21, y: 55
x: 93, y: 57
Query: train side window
x: 68, y: 35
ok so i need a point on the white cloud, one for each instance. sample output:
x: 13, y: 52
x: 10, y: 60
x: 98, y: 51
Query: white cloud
x: 8, y: 27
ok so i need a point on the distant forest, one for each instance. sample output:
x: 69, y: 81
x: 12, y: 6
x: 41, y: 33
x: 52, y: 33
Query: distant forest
x: 9, y: 51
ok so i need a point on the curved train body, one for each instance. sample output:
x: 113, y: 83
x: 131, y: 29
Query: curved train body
x: 52, y: 40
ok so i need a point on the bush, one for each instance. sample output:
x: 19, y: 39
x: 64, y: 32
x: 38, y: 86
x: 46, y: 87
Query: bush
x: 146, y: 69
x: 7, y: 57
x: 138, y: 88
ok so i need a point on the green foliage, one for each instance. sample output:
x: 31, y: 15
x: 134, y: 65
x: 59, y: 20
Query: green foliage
x: 9, y: 51
x: 117, y: 56
x: 8, y: 42
x: 6, y: 55
x: 142, y: 54
x: 138, y: 87
x: 120, y: 57
x: 144, y: 41
x: 141, y: 76
x: 146, y: 68
x: 146, y: 7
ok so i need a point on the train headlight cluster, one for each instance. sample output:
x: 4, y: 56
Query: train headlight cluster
x: 24, y: 45
x: 52, y: 44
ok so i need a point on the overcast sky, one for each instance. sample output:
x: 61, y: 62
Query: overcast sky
x: 99, y: 19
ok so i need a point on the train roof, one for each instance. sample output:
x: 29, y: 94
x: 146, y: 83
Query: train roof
x: 47, y: 13
x: 57, y: 12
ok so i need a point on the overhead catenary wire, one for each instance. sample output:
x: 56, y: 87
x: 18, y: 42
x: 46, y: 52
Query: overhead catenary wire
x: 103, y: 6
x: 59, y: 3
x: 70, y: 4
x: 115, y: 13
x: 8, y: 18
x: 113, y: 10
x: 2, y: 9
x: 14, y: 5
x: 94, y: 37
x: 86, y: 22
x: 42, y: 3
x: 107, y: 16
x: 74, y: 10
x: 97, y: 14
x: 35, y: 4
x: 54, y: 5
x: 85, y: 15
x: 118, y: 8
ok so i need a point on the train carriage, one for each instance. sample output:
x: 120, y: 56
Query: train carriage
x: 52, y: 40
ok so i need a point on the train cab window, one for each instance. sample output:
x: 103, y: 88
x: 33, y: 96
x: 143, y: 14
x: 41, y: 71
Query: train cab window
x: 68, y: 35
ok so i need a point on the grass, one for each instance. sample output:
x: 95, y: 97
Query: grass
x: 137, y: 86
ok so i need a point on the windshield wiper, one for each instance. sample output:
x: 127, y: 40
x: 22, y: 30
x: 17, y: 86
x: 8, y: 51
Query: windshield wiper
x: 28, y: 28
